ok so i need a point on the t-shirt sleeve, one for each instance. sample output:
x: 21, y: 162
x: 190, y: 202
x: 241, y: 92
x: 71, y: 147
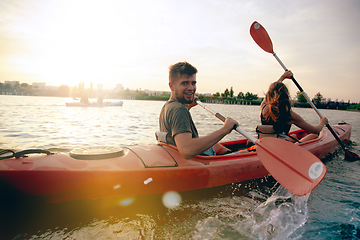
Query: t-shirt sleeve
x: 180, y: 121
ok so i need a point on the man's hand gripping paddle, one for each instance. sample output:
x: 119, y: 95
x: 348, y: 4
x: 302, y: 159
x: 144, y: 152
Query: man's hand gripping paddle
x: 295, y: 168
x: 261, y: 37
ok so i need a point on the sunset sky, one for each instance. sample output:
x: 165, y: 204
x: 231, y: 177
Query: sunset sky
x: 134, y: 42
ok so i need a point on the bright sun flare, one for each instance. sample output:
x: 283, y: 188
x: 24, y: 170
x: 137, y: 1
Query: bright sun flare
x: 80, y: 42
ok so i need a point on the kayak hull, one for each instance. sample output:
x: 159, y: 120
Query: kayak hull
x: 141, y: 170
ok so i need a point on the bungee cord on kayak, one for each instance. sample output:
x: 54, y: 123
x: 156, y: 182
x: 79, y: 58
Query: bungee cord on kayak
x: 22, y: 153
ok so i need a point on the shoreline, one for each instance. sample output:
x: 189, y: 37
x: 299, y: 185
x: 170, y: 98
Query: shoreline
x: 332, y: 106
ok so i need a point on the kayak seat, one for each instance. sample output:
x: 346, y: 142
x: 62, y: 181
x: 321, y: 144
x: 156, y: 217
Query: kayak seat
x: 264, y: 131
x: 161, y: 136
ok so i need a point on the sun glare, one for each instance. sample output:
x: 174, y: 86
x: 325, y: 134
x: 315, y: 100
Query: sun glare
x: 84, y: 41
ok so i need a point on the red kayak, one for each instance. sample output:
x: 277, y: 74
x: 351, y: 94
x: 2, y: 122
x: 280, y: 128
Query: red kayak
x: 94, y: 173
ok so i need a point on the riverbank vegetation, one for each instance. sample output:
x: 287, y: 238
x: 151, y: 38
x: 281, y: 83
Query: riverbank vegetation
x: 226, y: 97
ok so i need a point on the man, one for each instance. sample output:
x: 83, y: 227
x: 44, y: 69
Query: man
x: 176, y: 121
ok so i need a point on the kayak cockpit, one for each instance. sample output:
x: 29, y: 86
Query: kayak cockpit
x: 96, y: 153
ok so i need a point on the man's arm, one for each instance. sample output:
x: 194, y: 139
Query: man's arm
x: 190, y: 147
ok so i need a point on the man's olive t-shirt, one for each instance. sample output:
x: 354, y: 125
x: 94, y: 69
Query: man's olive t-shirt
x: 175, y: 118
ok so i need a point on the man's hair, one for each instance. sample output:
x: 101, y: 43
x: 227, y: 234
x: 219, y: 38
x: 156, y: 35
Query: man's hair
x: 180, y: 68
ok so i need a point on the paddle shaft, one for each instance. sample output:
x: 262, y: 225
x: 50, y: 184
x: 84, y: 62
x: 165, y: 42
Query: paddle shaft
x: 298, y: 86
x: 311, y: 103
x: 222, y: 118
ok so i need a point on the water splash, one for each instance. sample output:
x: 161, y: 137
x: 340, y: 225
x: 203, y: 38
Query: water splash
x: 281, y: 216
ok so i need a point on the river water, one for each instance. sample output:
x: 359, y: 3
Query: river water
x: 256, y: 209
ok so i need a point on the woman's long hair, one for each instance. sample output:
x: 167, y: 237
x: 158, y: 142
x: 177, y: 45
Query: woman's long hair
x: 278, y: 99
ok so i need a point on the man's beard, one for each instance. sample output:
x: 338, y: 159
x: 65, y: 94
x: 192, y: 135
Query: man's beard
x: 184, y: 101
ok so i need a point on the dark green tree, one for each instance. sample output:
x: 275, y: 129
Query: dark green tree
x: 240, y: 95
x: 300, y: 97
x: 226, y: 93
x: 250, y: 96
x: 231, y: 92
x: 317, y: 98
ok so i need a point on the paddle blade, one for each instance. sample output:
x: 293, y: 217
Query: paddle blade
x: 351, y: 156
x: 261, y: 37
x: 295, y: 168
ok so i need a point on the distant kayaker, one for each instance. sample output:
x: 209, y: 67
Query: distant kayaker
x: 85, y: 99
x: 100, y: 100
x: 175, y: 119
x: 276, y: 111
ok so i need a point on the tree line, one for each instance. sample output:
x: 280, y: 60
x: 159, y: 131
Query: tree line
x: 230, y: 94
x: 227, y: 95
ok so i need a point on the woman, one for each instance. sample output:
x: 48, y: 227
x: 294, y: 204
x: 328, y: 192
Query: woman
x: 276, y: 111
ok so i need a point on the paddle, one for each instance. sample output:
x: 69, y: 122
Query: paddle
x: 298, y: 170
x: 261, y: 37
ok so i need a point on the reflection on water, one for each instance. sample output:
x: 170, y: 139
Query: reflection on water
x: 237, y: 212
x: 45, y: 122
x: 145, y: 218
x: 248, y: 210
x: 138, y: 227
